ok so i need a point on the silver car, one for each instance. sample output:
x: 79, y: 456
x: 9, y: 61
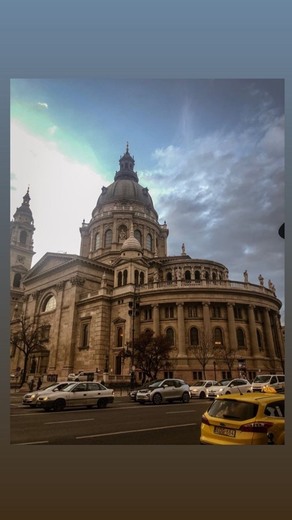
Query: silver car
x: 75, y: 395
x: 164, y: 390
x: 30, y: 399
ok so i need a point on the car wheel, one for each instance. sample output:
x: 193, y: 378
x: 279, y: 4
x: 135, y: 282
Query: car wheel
x: 157, y: 398
x: 59, y: 405
x: 101, y: 403
x: 227, y: 393
x: 202, y: 395
x: 185, y: 397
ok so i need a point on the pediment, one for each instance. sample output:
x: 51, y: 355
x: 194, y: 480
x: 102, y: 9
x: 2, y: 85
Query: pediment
x: 50, y: 262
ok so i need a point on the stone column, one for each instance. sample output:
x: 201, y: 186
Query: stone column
x: 181, y: 330
x: 254, y: 349
x: 231, y: 326
x: 269, y: 335
x: 58, y: 323
x: 279, y: 335
x: 207, y: 320
x: 156, y: 322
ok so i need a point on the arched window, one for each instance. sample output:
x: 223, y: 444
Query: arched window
x: 194, y: 336
x: 23, y: 237
x: 168, y: 277
x: 97, y: 241
x: 218, y: 337
x: 125, y: 277
x: 120, y: 279
x: 120, y: 337
x: 214, y: 277
x: 240, y: 338
x: 108, y: 238
x: 170, y: 335
x: 188, y: 276
x: 142, y: 278
x: 260, y: 340
x: 136, y: 276
x: 207, y: 275
x: 149, y: 242
x: 17, y: 280
x: 138, y: 235
x: 197, y: 276
x: 49, y: 304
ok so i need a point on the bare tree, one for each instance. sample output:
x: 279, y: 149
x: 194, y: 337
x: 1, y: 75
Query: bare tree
x: 225, y: 355
x: 152, y: 353
x: 203, y: 351
x: 27, y: 338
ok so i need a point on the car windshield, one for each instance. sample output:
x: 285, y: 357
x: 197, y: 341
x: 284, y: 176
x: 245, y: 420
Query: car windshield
x: 198, y: 383
x: 224, y: 382
x: 232, y: 409
x: 67, y: 388
x: 155, y: 384
x: 262, y: 379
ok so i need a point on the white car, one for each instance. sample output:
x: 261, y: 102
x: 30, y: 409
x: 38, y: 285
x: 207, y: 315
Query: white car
x: 200, y: 388
x: 164, y: 390
x: 229, y: 386
x: 75, y: 395
x: 276, y: 381
x: 31, y: 398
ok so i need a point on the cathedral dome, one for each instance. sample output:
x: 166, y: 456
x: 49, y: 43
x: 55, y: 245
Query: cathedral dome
x: 126, y: 187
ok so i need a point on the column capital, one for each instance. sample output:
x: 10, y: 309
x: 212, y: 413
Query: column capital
x: 206, y: 304
x: 230, y: 304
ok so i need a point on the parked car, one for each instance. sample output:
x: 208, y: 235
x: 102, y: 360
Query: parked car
x: 229, y: 386
x: 200, y: 388
x: 252, y: 418
x: 133, y: 393
x: 276, y: 381
x: 77, y: 394
x: 164, y: 390
x: 31, y: 397
x: 82, y: 376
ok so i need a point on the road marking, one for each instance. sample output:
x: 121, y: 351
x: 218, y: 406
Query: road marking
x: 182, y: 411
x: 35, y: 442
x: 135, y: 431
x: 73, y: 420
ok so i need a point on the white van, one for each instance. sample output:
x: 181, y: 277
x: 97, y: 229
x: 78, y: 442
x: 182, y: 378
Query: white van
x: 276, y: 381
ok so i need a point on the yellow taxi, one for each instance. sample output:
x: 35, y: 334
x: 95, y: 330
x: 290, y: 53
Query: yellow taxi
x: 254, y: 418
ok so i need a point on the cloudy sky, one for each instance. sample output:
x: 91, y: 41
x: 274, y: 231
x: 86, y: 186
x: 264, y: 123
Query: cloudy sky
x: 211, y: 153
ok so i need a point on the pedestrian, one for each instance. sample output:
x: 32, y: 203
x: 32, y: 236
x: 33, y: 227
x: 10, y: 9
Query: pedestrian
x: 31, y: 385
x: 39, y: 383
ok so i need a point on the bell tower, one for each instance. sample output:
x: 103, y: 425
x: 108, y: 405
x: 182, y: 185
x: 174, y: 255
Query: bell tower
x: 21, y: 250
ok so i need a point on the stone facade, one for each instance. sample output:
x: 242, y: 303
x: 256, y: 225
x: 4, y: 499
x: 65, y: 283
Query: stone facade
x: 83, y: 300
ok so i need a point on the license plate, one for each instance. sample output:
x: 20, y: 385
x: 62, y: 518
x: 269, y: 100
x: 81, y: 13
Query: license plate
x: 228, y: 432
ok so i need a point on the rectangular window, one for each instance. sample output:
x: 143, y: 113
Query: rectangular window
x: 169, y: 312
x: 192, y: 311
x: 238, y: 312
x: 168, y: 375
x: 84, y: 339
x: 216, y: 311
x: 148, y: 313
x: 197, y: 374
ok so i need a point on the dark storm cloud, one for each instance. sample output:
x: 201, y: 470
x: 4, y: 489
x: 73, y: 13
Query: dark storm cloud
x: 223, y: 196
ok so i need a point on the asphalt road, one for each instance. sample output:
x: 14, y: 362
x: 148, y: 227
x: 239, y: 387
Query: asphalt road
x: 122, y: 422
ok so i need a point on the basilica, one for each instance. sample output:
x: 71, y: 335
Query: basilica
x: 82, y: 302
